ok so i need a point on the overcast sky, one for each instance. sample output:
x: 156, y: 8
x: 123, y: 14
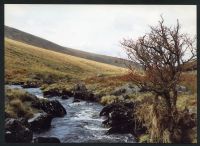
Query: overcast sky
x: 96, y: 28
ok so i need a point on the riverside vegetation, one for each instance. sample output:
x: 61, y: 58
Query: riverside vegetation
x: 128, y: 109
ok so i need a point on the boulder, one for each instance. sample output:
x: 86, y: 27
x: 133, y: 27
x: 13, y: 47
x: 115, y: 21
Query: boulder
x: 46, y: 140
x: 31, y: 85
x: 52, y: 107
x: 76, y: 100
x: 185, y: 127
x: 100, y: 75
x: 41, y: 121
x: 7, y: 115
x: 65, y: 97
x: 181, y: 88
x: 52, y: 92
x: 17, y: 83
x: 17, y: 131
x: 81, y: 92
x: 125, y: 90
x: 120, y: 118
x: 57, y: 92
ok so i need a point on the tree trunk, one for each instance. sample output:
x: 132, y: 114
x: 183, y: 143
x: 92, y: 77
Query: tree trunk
x: 174, y: 99
x: 170, y: 111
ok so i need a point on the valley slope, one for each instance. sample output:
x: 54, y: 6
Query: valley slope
x: 24, y: 62
x: 30, y: 39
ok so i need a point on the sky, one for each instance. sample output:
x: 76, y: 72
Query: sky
x: 96, y: 28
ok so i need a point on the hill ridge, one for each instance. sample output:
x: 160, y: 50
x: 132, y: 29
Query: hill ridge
x: 24, y: 37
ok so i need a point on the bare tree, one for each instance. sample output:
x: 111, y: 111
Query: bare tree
x: 162, y: 54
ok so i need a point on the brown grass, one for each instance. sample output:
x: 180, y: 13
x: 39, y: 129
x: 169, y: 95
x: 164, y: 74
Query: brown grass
x: 190, y: 81
x: 18, y: 104
x: 22, y: 61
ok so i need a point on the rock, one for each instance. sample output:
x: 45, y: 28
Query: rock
x: 80, y: 87
x: 16, y: 131
x: 46, y: 140
x: 187, y: 120
x: 7, y: 115
x: 41, y: 121
x: 25, y: 122
x: 57, y: 92
x: 52, y: 107
x: 81, y: 92
x: 67, y: 93
x: 76, y: 100
x: 18, y: 83
x: 99, y: 75
x: 120, y: 118
x: 31, y: 85
x: 65, y: 97
x: 125, y: 90
x: 180, y: 88
x: 185, y: 127
x: 117, y: 114
x: 52, y: 92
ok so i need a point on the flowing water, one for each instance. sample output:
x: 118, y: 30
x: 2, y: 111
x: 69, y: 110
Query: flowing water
x: 82, y: 123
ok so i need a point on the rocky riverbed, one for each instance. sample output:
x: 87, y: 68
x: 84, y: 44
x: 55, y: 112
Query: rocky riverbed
x: 81, y: 123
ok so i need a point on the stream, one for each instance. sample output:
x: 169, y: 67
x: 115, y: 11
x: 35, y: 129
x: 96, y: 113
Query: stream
x: 81, y: 124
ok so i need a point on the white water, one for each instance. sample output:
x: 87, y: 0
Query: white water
x: 81, y: 123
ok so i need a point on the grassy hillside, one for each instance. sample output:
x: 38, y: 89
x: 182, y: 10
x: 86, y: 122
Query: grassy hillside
x: 25, y: 62
x: 60, y: 71
x: 27, y: 38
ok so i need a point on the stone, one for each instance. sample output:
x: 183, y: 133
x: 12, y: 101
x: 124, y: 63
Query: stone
x: 41, y: 121
x: 31, y: 85
x: 17, y: 132
x: 181, y: 88
x: 46, y: 140
x: 57, y: 92
x: 125, y: 90
x: 120, y: 118
x: 65, y: 97
x: 52, y: 107
x: 76, y: 100
x: 81, y: 92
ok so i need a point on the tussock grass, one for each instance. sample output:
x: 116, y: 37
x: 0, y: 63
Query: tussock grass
x: 187, y: 100
x: 60, y: 71
x: 108, y: 99
x: 18, y: 104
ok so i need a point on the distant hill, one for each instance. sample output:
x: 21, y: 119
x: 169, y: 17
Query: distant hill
x: 26, y: 62
x: 190, y: 66
x: 30, y: 39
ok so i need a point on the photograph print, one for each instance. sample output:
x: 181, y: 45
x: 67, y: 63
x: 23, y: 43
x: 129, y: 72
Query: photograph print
x: 100, y: 73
